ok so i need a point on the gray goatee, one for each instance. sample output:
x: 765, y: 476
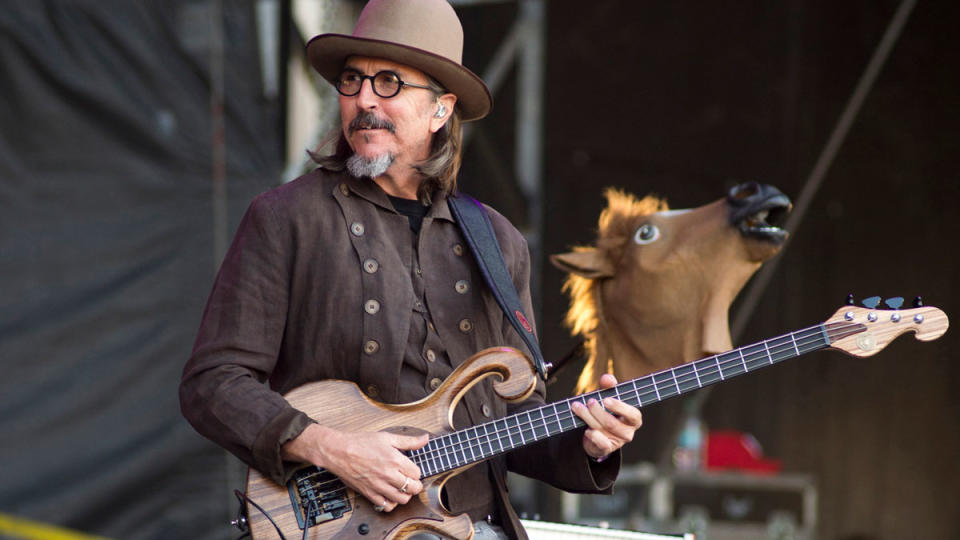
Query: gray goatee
x: 360, y: 167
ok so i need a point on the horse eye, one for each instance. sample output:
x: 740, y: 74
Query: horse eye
x: 646, y: 234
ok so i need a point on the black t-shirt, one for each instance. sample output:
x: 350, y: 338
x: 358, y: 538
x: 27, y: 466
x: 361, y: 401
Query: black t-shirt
x: 412, y: 209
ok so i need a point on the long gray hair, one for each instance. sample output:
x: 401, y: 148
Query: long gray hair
x: 440, y: 168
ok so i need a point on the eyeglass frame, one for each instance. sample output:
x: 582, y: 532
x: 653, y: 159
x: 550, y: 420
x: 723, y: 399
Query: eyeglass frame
x: 373, y: 84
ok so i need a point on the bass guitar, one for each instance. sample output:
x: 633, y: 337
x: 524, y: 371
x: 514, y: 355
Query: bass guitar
x: 315, y: 504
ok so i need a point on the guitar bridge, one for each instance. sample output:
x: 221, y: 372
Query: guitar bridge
x: 318, y: 496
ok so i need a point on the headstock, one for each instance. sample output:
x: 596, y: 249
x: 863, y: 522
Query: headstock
x: 865, y: 331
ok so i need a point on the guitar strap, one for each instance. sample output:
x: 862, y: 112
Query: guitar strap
x: 478, y: 231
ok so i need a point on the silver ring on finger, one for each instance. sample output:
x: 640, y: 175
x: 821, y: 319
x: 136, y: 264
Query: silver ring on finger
x: 403, y: 488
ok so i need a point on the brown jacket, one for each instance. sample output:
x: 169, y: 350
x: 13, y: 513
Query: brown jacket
x: 288, y: 307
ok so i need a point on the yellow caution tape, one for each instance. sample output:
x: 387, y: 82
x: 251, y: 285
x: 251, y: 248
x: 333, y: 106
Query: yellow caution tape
x: 30, y: 530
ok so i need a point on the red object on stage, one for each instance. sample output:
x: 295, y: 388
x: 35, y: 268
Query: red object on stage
x: 738, y: 451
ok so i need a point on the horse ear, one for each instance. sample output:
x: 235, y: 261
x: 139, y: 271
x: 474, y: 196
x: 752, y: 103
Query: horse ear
x: 589, y: 263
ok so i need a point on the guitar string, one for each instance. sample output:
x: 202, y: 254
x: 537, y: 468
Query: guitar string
x: 434, y: 456
x: 449, y: 447
x: 567, y: 415
x: 835, y: 331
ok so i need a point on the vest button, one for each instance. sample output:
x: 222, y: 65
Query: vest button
x: 371, y: 307
x: 462, y: 286
x: 435, y: 383
x: 370, y: 266
x: 485, y: 409
x: 344, y: 189
x: 372, y: 391
x: 466, y: 326
x: 371, y: 347
x: 458, y: 250
x: 431, y: 356
x: 356, y: 228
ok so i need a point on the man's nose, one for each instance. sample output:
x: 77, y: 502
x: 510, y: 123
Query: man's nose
x: 367, y: 98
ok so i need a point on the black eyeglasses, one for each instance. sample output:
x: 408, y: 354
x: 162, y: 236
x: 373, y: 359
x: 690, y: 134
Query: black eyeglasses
x: 386, y: 84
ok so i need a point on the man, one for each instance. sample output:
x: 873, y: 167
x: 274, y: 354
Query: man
x: 357, y: 271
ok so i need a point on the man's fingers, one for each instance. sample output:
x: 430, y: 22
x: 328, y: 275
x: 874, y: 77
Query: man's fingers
x: 406, y: 442
x: 607, y: 380
x: 628, y: 415
x: 586, y: 414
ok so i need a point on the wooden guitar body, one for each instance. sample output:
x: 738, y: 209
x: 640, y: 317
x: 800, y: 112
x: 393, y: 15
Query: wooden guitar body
x: 341, y: 405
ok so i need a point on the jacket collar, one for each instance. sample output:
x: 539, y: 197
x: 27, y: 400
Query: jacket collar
x: 369, y: 190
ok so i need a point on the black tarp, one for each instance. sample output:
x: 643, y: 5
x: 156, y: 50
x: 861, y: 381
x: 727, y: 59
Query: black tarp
x: 106, y: 254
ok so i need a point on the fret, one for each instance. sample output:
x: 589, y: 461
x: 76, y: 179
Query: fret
x: 492, y: 438
x: 499, y: 431
x: 795, y: 345
x: 742, y: 360
x: 636, y: 393
x: 543, y: 420
x: 716, y: 359
x: 682, y: 375
x: 756, y: 357
x: 473, y: 456
x: 573, y: 418
x: 733, y: 368
x: 785, y: 353
x: 643, y: 391
x: 661, y: 378
x: 463, y: 452
x: 556, y: 416
x: 444, y: 457
x: 434, y: 458
x: 675, y: 382
x: 485, y: 439
x: 767, y: 349
x: 423, y: 462
x: 523, y: 441
x: 697, y: 375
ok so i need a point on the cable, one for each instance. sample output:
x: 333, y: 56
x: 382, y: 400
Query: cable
x: 243, y: 498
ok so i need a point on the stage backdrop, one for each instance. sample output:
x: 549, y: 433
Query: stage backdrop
x: 106, y: 255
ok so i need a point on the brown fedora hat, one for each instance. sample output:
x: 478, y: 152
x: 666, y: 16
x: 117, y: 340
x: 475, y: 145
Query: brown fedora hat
x: 423, y: 34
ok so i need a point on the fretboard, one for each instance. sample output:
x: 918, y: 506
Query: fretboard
x: 483, y: 441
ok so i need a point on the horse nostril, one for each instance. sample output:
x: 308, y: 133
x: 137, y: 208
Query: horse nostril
x: 744, y: 191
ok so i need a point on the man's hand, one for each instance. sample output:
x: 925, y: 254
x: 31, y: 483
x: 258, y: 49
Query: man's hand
x: 370, y: 463
x: 609, y: 426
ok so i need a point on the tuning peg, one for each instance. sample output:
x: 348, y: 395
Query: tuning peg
x: 871, y: 302
x: 894, y: 303
x: 850, y: 301
x: 918, y: 302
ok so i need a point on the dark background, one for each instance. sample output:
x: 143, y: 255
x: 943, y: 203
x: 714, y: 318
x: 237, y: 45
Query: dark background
x: 106, y: 235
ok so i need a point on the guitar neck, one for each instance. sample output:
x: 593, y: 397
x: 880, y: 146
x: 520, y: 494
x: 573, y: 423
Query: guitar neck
x: 483, y: 441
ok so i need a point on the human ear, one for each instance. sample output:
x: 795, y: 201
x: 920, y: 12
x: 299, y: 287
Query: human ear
x: 442, y: 111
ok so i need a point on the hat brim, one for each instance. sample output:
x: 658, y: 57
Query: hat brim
x: 328, y: 53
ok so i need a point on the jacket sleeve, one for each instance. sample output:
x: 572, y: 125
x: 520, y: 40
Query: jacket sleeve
x: 559, y: 461
x: 223, y: 391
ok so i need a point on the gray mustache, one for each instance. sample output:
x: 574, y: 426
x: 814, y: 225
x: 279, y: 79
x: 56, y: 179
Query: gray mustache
x: 368, y: 120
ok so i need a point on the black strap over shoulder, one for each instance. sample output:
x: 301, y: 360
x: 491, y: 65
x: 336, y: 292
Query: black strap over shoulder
x: 476, y: 227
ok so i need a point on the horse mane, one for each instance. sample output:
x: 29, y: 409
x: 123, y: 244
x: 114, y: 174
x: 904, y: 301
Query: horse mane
x: 615, y: 228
